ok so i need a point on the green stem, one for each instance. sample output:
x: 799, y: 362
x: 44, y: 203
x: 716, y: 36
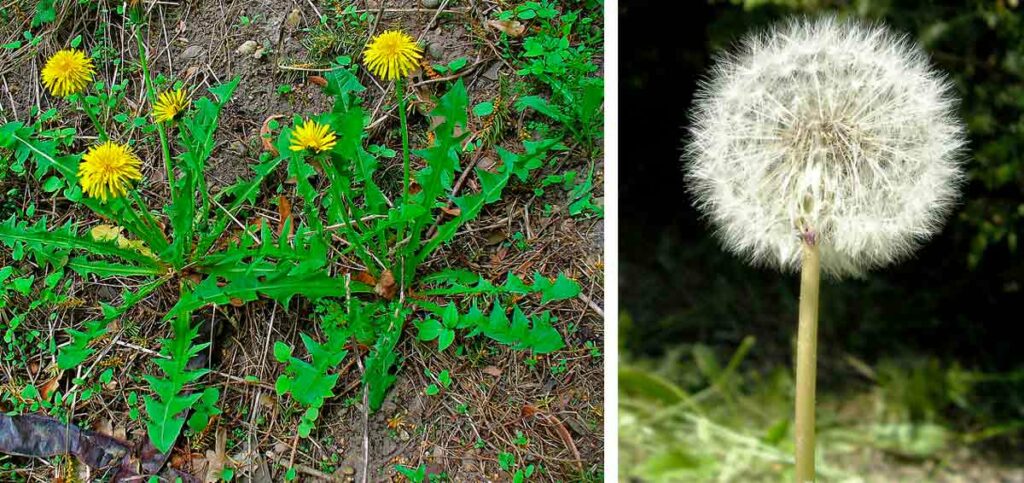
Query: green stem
x: 165, y: 148
x: 143, y: 231
x: 149, y: 219
x: 806, y: 361
x: 400, y: 92
x: 95, y: 122
x: 361, y: 250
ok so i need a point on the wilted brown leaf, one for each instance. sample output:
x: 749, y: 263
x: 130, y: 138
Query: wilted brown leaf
x: 513, y: 28
x: 284, y: 208
x: 386, y: 286
x: 365, y: 277
x: 268, y: 144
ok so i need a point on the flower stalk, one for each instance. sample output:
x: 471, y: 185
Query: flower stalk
x: 400, y: 93
x: 165, y: 147
x: 95, y: 122
x: 806, y: 359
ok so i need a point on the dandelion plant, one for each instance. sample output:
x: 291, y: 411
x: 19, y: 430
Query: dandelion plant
x: 197, y: 245
x: 828, y: 146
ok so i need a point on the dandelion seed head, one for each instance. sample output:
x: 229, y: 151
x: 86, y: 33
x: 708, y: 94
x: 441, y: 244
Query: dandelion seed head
x: 830, y: 129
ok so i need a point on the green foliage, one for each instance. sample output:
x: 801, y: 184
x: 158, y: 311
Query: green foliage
x: 339, y: 31
x: 523, y: 333
x: 197, y: 243
x: 165, y: 412
x: 415, y: 475
x: 79, y: 350
x: 559, y: 54
x: 204, y: 409
x: 310, y: 383
x: 443, y: 378
x: 45, y: 13
x: 378, y: 375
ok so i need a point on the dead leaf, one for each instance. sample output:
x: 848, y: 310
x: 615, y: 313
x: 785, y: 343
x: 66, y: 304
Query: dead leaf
x: 48, y: 387
x: 104, y: 426
x: 284, y: 208
x: 268, y: 145
x: 114, y: 233
x: 513, y: 28
x: 386, y: 286
x: 105, y: 232
x: 492, y: 370
x: 495, y: 237
x: 499, y: 256
x: 365, y: 277
x: 320, y: 81
x: 216, y: 459
x: 456, y: 211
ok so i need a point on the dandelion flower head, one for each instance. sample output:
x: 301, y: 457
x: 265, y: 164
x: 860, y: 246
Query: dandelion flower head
x: 392, y: 55
x: 67, y: 72
x: 312, y: 135
x: 107, y: 171
x: 829, y: 132
x: 169, y: 105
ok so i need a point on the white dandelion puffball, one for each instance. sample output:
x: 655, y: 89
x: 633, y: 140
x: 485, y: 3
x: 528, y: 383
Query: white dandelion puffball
x: 828, y: 131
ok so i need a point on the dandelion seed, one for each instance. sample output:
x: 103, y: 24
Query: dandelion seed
x: 67, y: 72
x: 313, y: 135
x: 107, y: 170
x: 827, y: 129
x: 169, y: 105
x: 392, y: 55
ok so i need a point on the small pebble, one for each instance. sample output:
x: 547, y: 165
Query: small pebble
x: 435, y: 50
x: 247, y: 47
x: 430, y: 3
x: 494, y: 71
x: 191, y: 52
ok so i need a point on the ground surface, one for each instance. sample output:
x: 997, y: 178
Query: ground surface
x: 198, y: 43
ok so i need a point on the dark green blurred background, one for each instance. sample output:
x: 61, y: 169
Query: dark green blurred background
x: 946, y: 327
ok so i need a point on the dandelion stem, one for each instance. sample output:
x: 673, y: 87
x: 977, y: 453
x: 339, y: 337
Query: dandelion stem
x: 400, y: 92
x: 806, y: 360
x: 149, y: 220
x: 95, y: 122
x: 151, y: 93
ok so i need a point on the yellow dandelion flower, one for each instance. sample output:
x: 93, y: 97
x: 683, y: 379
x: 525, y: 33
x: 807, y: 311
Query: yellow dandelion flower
x: 107, y: 170
x: 313, y: 135
x: 169, y: 104
x: 392, y: 55
x: 67, y: 72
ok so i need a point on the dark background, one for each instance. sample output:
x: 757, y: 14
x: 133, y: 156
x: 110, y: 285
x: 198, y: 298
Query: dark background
x: 957, y: 304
